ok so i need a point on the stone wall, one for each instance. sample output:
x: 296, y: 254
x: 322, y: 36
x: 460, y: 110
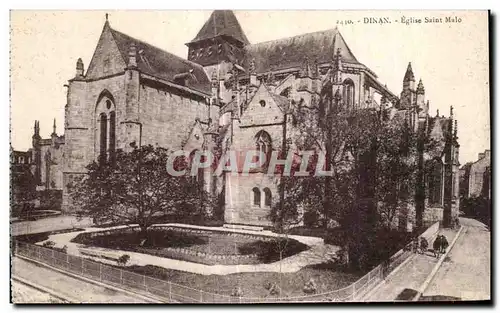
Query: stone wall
x: 168, y: 116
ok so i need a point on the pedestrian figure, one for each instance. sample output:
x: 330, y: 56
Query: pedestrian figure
x: 415, y: 245
x: 444, y: 244
x: 436, y: 246
x: 423, y: 245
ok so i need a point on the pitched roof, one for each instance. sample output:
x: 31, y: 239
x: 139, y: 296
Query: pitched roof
x: 160, y: 63
x: 444, y: 122
x: 222, y: 22
x: 290, y: 52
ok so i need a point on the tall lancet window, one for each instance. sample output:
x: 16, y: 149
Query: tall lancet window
x: 103, y: 140
x: 348, y: 94
x: 112, y: 136
x: 105, y: 128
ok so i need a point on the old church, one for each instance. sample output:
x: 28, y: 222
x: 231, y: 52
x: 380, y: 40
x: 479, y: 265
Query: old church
x: 233, y: 94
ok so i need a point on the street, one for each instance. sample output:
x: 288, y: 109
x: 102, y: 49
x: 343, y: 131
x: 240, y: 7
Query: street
x: 466, y: 274
x: 75, y: 290
x: 48, y: 224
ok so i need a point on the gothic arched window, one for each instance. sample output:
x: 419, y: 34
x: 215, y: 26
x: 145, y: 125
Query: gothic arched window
x: 348, y: 94
x: 267, y: 197
x: 435, y: 178
x: 105, y: 140
x: 263, y: 144
x: 256, y: 196
x: 112, y: 137
x: 103, y: 131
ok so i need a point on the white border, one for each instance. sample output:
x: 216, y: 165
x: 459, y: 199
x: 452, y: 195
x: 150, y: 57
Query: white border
x: 208, y: 5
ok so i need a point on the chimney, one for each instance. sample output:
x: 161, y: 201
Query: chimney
x: 480, y: 156
x: 487, y: 153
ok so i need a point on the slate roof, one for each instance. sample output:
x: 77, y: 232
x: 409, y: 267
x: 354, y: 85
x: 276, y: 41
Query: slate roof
x: 220, y: 23
x: 160, y: 63
x: 290, y: 52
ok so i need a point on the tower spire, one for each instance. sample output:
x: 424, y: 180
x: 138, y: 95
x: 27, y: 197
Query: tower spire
x: 409, y: 74
x: 420, y: 88
x: 79, y: 68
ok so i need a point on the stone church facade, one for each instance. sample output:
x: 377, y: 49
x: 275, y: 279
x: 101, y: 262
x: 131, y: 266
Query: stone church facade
x: 233, y: 95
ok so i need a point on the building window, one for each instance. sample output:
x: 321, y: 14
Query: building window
x: 267, y: 197
x: 256, y: 196
x: 348, y: 94
x: 264, y: 144
x: 262, y: 103
x: 285, y: 92
x: 435, y: 183
x: 112, y: 136
x: 103, y: 129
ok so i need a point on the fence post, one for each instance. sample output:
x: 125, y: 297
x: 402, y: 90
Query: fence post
x: 201, y: 296
x: 121, y: 276
x: 170, y: 291
x: 100, y: 272
x: 353, y: 291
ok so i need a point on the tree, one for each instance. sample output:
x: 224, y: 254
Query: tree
x: 22, y: 188
x: 372, y: 163
x: 397, y: 171
x: 137, y: 188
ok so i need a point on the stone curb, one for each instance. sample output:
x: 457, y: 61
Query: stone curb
x: 43, y: 289
x: 94, y: 282
x: 437, y: 266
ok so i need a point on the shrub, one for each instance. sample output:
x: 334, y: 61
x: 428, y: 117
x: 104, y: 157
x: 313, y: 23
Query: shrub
x: 275, y: 290
x: 237, y: 292
x: 64, y: 249
x: 267, y: 285
x: 123, y: 259
x: 49, y: 244
x: 311, y: 219
x: 310, y: 287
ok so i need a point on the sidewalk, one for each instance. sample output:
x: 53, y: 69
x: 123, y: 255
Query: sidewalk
x: 465, y: 274
x: 410, y: 276
x: 68, y: 286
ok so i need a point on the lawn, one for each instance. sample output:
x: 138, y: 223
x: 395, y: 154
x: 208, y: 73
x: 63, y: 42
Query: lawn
x: 213, y: 243
x: 254, y: 284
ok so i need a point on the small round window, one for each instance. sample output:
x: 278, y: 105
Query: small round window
x: 108, y: 104
x: 262, y: 103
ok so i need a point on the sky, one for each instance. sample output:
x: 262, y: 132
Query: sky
x: 450, y: 58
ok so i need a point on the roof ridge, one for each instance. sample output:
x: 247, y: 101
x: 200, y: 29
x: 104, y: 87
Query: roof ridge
x: 152, y: 46
x: 295, y: 36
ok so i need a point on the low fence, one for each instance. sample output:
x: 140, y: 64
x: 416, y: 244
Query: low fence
x: 172, y: 292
